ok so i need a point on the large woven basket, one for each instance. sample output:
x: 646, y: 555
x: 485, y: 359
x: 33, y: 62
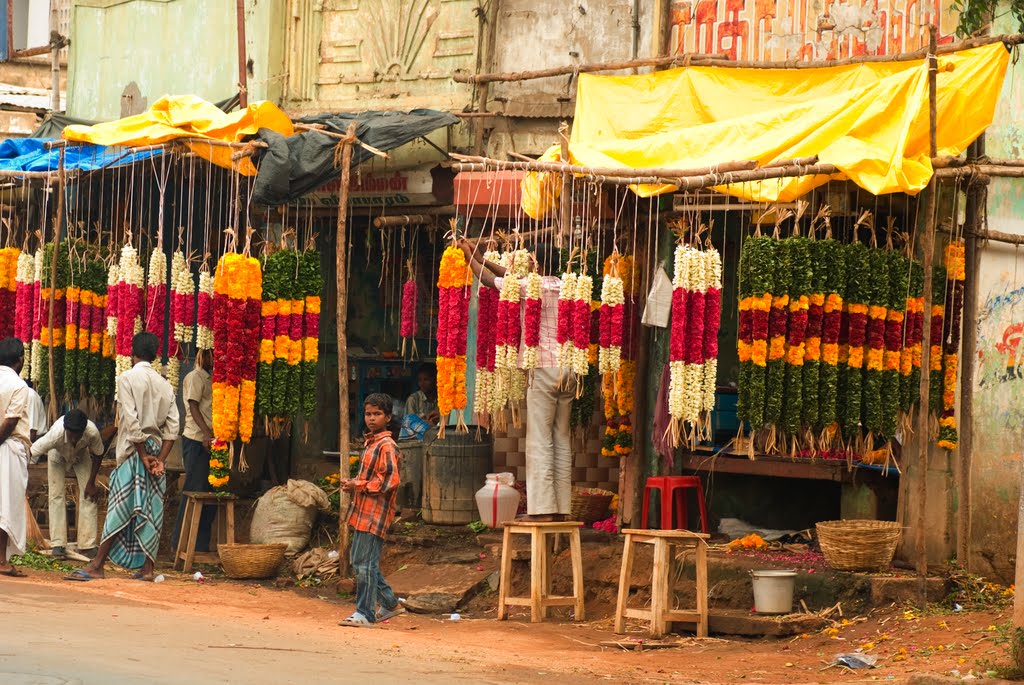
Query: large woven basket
x: 251, y: 561
x: 858, y: 545
x: 590, y: 504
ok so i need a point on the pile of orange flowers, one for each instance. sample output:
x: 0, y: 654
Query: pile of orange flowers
x: 752, y: 542
x: 238, y: 288
x: 453, y: 281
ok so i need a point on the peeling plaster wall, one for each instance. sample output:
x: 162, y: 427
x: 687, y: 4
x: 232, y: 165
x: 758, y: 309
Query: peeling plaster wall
x: 999, y: 379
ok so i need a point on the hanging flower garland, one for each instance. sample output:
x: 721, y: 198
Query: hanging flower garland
x: 236, y: 305
x: 913, y: 330
x: 183, y: 317
x: 899, y: 284
x: 778, y: 319
x: 712, y: 322
x: 813, y: 340
x: 486, y: 337
x: 531, y: 322
x: 564, y: 330
x: 878, y: 297
x: 693, y: 378
x: 9, y: 258
x: 156, y: 302
x: 204, y: 311
x: 111, y: 307
x: 758, y: 267
x: 37, y: 317
x: 935, y: 338
x: 307, y: 310
x: 129, y: 306
x: 408, y: 327
x: 858, y: 273
x: 24, y: 307
x: 617, y: 387
x: 581, y: 325
x: 956, y: 269
x: 832, y: 258
x: 52, y: 341
x: 613, y: 302
x: 453, y: 281
x: 677, y: 402
x: 273, y: 380
x: 100, y: 374
x: 798, y: 250
x: 73, y: 296
x: 220, y: 464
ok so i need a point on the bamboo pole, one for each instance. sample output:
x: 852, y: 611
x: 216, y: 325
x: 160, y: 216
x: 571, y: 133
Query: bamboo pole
x: 320, y: 128
x: 57, y: 235
x: 403, y: 220
x: 973, y: 211
x: 671, y: 61
x: 565, y: 198
x: 923, y: 412
x: 341, y: 315
x: 988, y: 235
x: 611, y: 172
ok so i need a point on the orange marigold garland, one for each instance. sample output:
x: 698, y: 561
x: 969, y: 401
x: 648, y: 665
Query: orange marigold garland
x: 9, y: 257
x: 236, y: 303
x: 956, y: 274
x: 453, y: 281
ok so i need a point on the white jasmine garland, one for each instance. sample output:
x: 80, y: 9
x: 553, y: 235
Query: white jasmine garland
x: 566, y: 294
x: 584, y: 291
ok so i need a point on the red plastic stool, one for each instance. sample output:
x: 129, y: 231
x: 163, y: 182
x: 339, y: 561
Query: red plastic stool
x: 672, y: 496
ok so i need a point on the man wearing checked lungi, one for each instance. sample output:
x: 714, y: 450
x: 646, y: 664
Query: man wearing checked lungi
x: 147, y: 426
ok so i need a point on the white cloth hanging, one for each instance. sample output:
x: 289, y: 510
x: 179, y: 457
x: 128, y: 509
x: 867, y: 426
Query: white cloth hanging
x: 659, y: 300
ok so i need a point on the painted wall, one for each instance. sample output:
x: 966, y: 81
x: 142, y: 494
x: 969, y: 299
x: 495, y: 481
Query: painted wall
x: 806, y: 29
x: 169, y: 47
x: 999, y: 381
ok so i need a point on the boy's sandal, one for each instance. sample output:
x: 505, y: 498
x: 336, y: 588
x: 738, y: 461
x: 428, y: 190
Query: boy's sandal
x: 385, y: 614
x: 356, y: 620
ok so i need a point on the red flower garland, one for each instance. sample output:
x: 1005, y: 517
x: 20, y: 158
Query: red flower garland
x: 408, y: 328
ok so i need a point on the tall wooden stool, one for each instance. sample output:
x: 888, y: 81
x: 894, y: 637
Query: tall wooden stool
x: 661, y: 612
x: 223, y: 533
x: 542, y: 537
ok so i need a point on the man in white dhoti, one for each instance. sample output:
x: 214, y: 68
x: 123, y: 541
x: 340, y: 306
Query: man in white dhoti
x: 14, y: 448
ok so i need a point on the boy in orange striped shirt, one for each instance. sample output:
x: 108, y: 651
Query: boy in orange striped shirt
x: 374, y: 492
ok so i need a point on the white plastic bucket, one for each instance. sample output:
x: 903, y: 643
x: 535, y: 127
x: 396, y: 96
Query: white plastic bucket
x: 773, y: 591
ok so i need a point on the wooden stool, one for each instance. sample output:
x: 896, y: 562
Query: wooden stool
x: 224, y: 528
x: 661, y: 611
x: 541, y: 599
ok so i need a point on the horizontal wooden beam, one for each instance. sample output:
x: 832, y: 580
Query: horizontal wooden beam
x: 572, y: 69
x: 721, y: 60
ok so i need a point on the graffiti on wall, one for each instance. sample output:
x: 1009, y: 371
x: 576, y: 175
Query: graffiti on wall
x: 806, y: 29
x: 1001, y: 355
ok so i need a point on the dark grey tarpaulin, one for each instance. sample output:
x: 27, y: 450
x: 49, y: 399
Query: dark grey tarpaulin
x: 291, y: 167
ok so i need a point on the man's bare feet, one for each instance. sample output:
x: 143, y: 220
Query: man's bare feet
x: 539, y: 518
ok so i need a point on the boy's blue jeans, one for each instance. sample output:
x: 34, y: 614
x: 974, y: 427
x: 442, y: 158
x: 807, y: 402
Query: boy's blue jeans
x: 371, y: 588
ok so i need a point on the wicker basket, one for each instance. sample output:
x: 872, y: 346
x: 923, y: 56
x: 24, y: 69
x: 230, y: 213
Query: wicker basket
x: 858, y: 545
x: 251, y: 561
x: 590, y: 504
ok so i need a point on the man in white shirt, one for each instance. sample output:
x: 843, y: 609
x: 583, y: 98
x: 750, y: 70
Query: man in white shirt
x: 73, y: 442
x: 37, y: 421
x: 197, y: 394
x: 14, y: 446
x: 147, y: 428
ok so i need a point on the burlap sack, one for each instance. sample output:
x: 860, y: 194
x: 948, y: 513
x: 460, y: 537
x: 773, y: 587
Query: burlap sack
x: 286, y: 514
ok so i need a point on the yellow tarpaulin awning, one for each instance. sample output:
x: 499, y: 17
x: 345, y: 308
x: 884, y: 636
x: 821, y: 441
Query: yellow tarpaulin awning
x: 188, y: 116
x: 870, y: 120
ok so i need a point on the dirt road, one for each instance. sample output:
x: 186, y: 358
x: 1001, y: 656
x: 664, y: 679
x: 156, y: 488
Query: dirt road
x: 119, y: 631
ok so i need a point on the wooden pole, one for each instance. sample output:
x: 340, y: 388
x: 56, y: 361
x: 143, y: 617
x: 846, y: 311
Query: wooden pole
x: 341, y: 315
x: 923, y: 412
x: 509, y: 77
x: 977, y: 195
x: 488, y: 21
x: 565, y: 199
x: 57, y: 235
x: 243, y: 66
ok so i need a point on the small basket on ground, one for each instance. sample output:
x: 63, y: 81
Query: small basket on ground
x: 251, y: 561
x: 857, y: 544
x: 590, y: 504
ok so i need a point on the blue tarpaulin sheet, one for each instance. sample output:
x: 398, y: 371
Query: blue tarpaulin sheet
x: 30, y: 154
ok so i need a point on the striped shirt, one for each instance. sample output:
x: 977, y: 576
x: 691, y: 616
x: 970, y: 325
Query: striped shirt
x: 547, y: 347
x: 373, y: 502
